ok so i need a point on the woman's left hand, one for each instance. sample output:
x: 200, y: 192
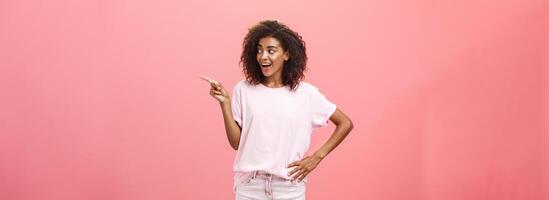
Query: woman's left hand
x: 303, y: 167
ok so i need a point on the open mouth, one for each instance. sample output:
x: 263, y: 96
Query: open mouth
x: 266, y: 65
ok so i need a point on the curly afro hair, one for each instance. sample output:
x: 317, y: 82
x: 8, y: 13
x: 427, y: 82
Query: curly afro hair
x: 293, y: 69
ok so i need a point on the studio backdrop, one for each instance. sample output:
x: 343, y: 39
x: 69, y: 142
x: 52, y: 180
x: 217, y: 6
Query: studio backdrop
x: 102, y: 99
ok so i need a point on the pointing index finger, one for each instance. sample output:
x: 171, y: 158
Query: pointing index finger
x: 209, y: 80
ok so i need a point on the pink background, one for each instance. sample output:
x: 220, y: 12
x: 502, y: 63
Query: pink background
x: 102, y: 100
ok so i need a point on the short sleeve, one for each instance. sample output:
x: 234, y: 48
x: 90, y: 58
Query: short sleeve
x: 321, y: 108
x: 236, y: 104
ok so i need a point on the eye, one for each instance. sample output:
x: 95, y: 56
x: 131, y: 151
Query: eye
x: 271, y: 51
x: 259, y: 51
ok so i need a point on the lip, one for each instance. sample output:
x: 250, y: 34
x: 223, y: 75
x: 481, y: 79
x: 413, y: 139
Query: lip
x: 264, y: 68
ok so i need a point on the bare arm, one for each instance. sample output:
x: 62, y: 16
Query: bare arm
x: 344, y: 125
x: 231, y: 127
x: 303, y: 167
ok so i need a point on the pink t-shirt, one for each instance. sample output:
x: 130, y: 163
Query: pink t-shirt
x: 276, y: 125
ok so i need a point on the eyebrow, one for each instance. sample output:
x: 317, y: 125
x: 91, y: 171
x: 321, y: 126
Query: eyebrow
x: 269, y: 46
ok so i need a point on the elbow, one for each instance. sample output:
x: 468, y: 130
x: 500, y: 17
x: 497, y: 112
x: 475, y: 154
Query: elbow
x: 349, y: 125
x: 352, y: 126
x: 234, y: 145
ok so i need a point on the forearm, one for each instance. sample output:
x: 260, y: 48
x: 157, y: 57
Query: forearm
x: 341, y: 131
x: 231, y: 127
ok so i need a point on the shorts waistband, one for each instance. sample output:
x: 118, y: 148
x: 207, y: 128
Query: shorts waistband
x: 265, y: 175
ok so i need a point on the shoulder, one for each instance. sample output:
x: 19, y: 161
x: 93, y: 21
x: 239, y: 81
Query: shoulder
x: 242, y: 85
x: 307, y: 87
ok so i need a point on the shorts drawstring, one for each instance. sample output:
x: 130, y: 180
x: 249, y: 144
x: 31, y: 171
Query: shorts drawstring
x: 268, y: 182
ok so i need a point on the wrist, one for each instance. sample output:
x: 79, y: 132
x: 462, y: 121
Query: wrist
x: 320, y: 155
x: 225, y: 103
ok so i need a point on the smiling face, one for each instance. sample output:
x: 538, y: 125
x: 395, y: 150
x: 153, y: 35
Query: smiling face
x: 271, y: 57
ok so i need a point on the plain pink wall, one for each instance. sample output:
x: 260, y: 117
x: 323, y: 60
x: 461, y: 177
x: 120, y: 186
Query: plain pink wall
x: 101, y: 99
x: 545, y: 105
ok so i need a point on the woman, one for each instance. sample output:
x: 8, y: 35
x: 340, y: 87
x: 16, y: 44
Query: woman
x: 271, y: 115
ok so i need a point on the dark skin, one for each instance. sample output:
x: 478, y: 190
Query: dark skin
x: 306, y: 165
x: 270, y: 51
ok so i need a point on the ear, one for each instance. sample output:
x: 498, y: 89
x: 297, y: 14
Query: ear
x: 286, y: 55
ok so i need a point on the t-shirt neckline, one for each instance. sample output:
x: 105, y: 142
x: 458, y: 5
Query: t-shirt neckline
x: 272, y: 88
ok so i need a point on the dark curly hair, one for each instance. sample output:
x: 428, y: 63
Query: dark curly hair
x: 293, y: 69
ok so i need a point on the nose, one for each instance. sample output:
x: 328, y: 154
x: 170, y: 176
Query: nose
x: 264, y: 55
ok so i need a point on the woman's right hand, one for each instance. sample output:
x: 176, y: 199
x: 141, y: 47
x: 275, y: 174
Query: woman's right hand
x: 217, y: 90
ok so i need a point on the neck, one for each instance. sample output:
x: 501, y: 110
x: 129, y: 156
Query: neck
x: 273, y: 82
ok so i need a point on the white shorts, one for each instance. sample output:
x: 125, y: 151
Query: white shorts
x: 265, y: 186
